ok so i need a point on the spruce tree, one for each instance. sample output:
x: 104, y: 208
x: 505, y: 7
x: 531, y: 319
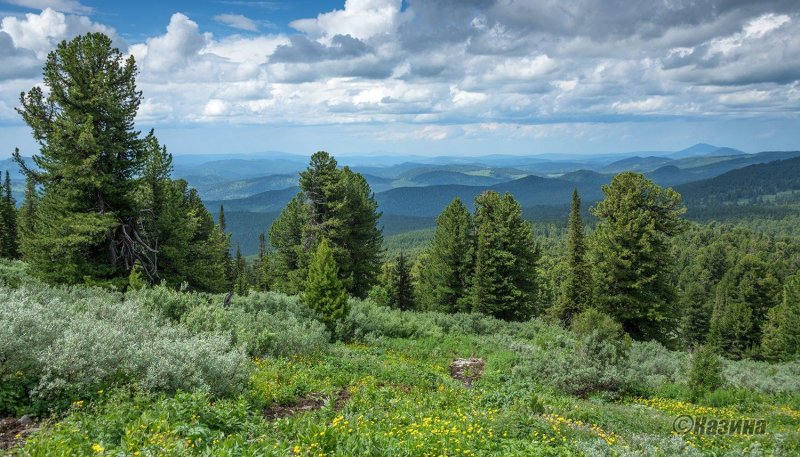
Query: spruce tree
x: 447, y: 269
x: 633, y: 263
x: 576, y: 288
x: 221, y: 220
x: 262, y: 267
x: 401, y: 289
x: 505, y: 283
x: 9, y: 242
x: 731, y: 326
x: 323, y: 290
x: 89, y: 157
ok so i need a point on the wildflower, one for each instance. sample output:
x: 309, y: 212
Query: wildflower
x: 98, y: 448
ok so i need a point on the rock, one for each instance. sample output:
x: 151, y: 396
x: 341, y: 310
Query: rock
x: 25, y: 420
x: 467, y: 370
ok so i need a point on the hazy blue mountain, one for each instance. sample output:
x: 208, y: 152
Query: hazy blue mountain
x: 264, y: 202
x: 211, y: 188
x: 704, y: 149
x: 441, y: 177
x: 640, y: 164
x: 746, y: 185
x: 587, y: 177
x: 239, y: 168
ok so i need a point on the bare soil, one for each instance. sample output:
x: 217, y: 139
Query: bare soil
x: 13, y: 432
x: 467, y: 370
x: 308, y: 403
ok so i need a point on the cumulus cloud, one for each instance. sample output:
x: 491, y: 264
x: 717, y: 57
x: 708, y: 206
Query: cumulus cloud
x: 41, y: 32
x: 454, y: 68
x: 237, y: 21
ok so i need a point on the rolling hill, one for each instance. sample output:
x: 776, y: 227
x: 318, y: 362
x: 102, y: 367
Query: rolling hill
x: 744, y: 185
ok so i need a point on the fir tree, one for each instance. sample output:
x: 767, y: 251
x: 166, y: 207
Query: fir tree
x: 504, y: 283
x: 576, y: 288
x: 633, y: 264
x: 89, y: 157
x: 324, y: 291
x: 401, y: 289
x: 446, y: 272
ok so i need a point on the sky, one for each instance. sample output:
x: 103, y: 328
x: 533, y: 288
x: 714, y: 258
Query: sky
x: 438, y: 77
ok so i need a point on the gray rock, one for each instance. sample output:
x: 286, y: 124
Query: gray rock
x: 25, y: 420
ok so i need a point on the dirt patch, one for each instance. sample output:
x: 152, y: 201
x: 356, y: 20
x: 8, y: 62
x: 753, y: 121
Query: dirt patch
x: 467, y: 370
x: 13, y: 431
x: 310, y: 402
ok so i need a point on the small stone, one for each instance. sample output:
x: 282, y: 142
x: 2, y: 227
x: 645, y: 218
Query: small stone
x: 25, y: 420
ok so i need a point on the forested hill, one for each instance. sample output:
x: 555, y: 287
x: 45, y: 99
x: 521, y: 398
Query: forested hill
x: 745, y: 185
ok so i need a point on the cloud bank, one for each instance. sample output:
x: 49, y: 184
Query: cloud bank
x: 445, y: 68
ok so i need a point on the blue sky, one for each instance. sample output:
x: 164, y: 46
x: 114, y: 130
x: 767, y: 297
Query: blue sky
x: 453, y: 77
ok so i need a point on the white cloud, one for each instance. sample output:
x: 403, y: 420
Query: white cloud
x: 362, y: 19
x: 41, y: 32
x: 237, y: 21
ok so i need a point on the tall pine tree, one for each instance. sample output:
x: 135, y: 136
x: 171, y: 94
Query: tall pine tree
x: 505, y: 283
x: 633, y: 264
x: 89, y: 157
x: 576, y: 293
x: 447, y: 270
x: 27, y: 213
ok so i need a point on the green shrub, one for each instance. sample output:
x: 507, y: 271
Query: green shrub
x: 63, y: 344
x: 705, y: 373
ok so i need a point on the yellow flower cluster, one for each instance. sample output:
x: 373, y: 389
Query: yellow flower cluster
x: 557, y: 421
x: 680, y: 408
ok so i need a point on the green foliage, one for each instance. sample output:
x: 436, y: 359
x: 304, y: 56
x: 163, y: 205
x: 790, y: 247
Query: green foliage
x: 705, y: 373
x: 633, y: 265
x: 731, y: 329
x: 576, y: 288
x: 446, y: 274
x: 135, y: 280
x: 324, y: 291
x: 504, y: 284
x: 286, y: 235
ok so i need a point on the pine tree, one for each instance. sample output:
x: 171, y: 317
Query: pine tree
x: 324, y: 291
x: 576, y: 293
x: 505, y: 283
x: 633, y: 264
x: 89, y: 157
x: 705, y: 373
x: 401, y: 289
x: 9, y: 242
x: 337, y: 205
x: 447, y: 270
x: 781, y: 333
